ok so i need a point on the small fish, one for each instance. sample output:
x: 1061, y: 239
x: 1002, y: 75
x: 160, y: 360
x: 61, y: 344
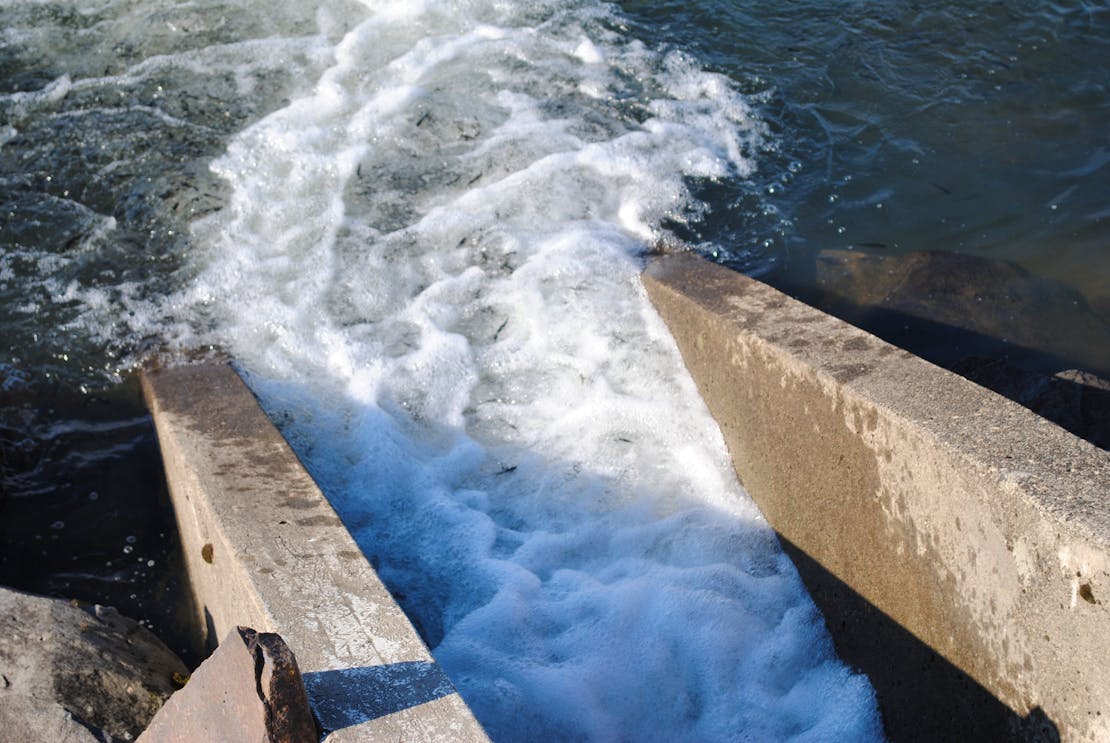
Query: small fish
x: 872, y: 245
x: 942, y: 189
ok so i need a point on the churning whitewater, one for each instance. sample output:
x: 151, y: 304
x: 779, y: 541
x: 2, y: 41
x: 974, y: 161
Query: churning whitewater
x: 426, y: 264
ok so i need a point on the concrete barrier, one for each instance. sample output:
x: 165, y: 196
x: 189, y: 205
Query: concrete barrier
x: 958, y: 544
x: 264, y: 549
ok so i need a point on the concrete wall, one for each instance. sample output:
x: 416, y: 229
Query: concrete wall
x: 958, y: 544
x: 263, y: 548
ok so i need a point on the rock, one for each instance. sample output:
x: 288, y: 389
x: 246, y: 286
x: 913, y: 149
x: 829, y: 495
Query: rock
x: 26, y: 718
x: 988, y: 320
x: 1074, y: 400
x: 69, y: 673
x: 986, y: 298
x: 248, y: 690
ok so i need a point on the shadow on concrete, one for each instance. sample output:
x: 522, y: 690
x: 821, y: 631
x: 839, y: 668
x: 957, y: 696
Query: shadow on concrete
x: 921, y: 695
x: 352, y: 696
x: 1033, y: 340
x: 1050, y: 385
x: 210, y: 640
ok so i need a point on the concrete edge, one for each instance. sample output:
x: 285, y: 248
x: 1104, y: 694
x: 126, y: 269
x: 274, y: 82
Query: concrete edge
x: 264, y: 548
x: 953, y: 538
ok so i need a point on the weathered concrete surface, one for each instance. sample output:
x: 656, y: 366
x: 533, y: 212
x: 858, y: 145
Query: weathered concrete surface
x: 1075, y: 400
x: 951, y: 536
x: 265, y: 549
x: 70, y: 674
x: 248, y: 690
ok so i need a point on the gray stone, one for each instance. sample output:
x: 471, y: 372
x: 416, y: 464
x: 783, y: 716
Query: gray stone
x: 248, y: 690
x: 69, y: 673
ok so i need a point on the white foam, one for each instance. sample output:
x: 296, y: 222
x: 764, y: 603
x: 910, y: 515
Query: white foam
x: 428, y: 269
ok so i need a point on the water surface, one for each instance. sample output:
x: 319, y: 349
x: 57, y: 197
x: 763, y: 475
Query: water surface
x: 418, y: 227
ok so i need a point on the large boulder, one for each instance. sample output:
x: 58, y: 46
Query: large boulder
x: 72, y: 674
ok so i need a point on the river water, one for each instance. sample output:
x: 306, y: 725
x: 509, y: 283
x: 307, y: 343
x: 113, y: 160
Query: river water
x: 418, y: 228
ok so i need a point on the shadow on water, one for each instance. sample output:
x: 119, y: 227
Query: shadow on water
x: 1077, y: 401
x: 1033, y: 341
x: 84, y: 507
x: 352, y: 696
x: 921, y: 695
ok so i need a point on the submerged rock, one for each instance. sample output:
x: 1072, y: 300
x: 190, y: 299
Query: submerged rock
x: 919, y: 294
x: 70, y: 673
x: 990, y: 321
x: 1074, y: 400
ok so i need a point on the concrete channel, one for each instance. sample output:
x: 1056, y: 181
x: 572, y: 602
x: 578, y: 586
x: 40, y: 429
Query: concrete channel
x: 264, y: 549
x: 958, y: 544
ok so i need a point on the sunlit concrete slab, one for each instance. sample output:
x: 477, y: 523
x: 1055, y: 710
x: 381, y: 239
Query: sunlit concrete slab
x: 958, y: 544
x: 265, y: 549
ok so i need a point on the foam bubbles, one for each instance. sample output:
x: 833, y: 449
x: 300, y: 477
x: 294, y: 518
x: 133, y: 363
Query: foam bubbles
x: 428, y: 269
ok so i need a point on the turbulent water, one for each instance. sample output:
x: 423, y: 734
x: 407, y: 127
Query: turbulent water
x: 976, y: 127
x: 418, y: 229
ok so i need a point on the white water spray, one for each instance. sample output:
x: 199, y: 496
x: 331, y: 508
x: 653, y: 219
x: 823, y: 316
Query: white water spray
x: 428, y: 268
